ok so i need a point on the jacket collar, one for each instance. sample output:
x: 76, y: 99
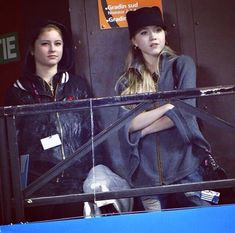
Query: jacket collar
x: 137, y: 63
x: 29, y: 83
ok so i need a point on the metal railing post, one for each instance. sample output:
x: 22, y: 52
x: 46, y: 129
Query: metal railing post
x: 5, y: 189
x: 17, y: 194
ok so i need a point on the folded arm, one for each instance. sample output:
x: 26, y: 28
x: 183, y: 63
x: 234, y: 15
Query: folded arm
x: 152, y: 121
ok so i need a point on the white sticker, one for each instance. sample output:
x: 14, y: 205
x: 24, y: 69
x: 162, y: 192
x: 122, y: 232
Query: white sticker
x: 51, y: 141
x: 209, y: 195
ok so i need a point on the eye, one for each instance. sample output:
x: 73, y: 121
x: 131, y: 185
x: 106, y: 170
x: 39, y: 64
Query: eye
x: 58, y: 43
x: 44, y: 43
x: 143, y: 32
x: 158, y: 29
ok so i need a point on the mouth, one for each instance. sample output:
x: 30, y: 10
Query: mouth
x: 154, y: 45
x: 52, y: 57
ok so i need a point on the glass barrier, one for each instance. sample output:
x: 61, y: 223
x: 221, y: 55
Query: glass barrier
x: 90, y: 158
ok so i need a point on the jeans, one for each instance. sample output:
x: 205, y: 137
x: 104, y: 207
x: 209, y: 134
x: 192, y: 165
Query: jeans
x: 158, y: 202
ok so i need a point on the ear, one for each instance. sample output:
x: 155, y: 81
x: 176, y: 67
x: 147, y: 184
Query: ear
x: 133, y: 42
x: 31, y: 51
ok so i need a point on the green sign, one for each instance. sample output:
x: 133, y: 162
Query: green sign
x: 9, y: 49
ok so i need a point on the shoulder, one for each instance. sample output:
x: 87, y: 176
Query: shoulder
x: 14, y: 93
x: 184, y: 70
x: 19, y: 85
x: 77, y: 80
x: 184, y: 60
x: 79, y: 84
x: 121, y: 84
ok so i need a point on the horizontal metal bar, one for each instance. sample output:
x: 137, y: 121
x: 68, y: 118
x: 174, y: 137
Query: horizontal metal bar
x: 174, y: 188
x: 116, y: 100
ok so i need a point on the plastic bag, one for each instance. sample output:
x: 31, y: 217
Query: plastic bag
x: 102, y: 179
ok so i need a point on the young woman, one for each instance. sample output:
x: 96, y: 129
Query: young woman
x: 51, y: 137
x: 162, y: 144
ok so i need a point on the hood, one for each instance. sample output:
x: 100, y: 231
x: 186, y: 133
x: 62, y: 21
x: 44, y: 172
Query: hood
x: 67, y: 59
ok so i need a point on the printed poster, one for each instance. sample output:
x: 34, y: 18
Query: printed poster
x: 112, y: 13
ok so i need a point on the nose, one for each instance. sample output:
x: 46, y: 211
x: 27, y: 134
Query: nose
x: 153, y: 35
x: 52, y: 47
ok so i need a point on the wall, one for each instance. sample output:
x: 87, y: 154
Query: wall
x: 208, y: 35
x: 18, y: 16
x: 10, y: 22
x: 215, y: 40
x: 202, y: 29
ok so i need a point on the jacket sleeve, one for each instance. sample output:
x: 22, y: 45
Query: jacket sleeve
x: 185, y: 74
x: 129, y: 148
x: 12, y: 97
x: 186, y: 124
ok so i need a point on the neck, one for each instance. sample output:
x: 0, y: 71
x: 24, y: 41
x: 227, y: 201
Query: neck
x: 152, y: 63
x: 46, y: 73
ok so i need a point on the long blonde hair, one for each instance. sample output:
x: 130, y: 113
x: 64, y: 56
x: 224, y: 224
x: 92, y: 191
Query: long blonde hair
x: 138, y: 77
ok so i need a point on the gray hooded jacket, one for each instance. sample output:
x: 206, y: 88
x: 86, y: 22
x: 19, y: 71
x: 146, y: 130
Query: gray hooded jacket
x: 172, y: 154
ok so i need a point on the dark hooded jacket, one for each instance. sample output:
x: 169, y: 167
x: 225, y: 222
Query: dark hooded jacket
x: 73, y: 127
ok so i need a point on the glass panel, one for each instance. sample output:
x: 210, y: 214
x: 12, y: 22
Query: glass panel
x: 111, y: 158
x: 49, y: 138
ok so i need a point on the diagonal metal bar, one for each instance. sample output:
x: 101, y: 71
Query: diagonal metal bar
x: 209, y: 118
x: 82, y: 151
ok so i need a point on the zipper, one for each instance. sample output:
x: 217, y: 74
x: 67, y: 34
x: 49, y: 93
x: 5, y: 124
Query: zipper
x: 53, y: 95
x: 61, y: 132
x: 159, y: 161
x: 62, y: 145
x: 50, y: 85
x: 60, y: 127
x: 62, y: 136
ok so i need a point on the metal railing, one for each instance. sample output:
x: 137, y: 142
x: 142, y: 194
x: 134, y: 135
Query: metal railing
x: 14, y: 200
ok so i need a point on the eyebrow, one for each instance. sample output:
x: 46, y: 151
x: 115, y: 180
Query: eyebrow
x: 45, y: 40
x: 143, y: 28
x: 146, y: 27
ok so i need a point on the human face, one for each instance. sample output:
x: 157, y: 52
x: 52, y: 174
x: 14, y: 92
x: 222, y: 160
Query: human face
x: 150, y: 40
x: 48, y: 48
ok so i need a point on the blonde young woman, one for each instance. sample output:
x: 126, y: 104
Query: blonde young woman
x: 162, y: 145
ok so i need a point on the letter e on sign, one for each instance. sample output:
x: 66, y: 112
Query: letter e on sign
x: 9, y: 50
